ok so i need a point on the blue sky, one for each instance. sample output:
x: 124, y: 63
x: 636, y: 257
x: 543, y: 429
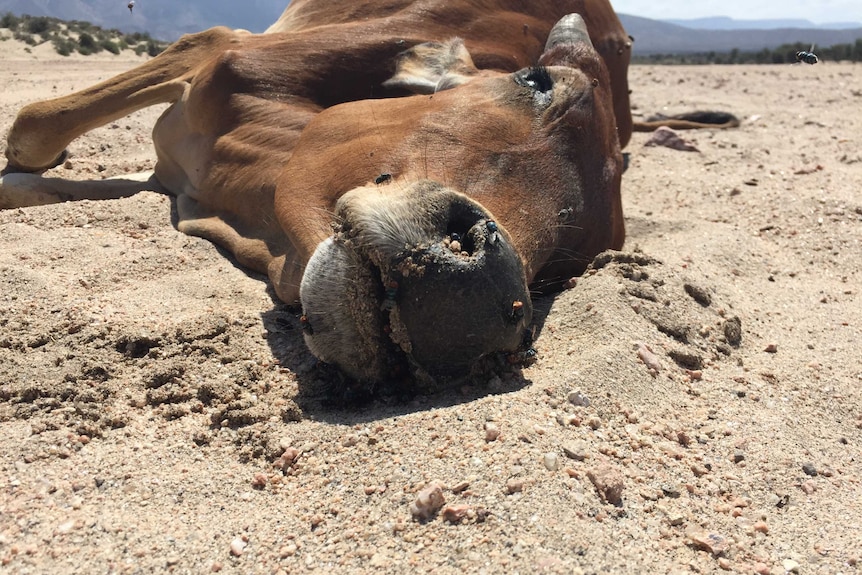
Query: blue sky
x: 818, y: 11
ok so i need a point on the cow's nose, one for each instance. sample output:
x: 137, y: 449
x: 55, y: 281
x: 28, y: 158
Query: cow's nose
x: 450, y: 287
x: 469, y: 299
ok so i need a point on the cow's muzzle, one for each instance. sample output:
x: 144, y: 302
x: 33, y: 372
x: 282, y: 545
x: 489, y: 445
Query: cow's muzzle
x: 416, y: 280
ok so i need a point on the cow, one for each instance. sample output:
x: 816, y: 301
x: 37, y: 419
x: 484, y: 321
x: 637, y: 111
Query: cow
x: 406, y: 171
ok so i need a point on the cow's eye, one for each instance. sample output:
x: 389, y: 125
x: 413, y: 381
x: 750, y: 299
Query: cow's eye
x: 538, y: 79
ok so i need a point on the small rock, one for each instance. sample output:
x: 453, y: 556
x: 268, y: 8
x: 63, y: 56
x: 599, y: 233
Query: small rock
x: 460, y: 486
x: 350, y: 440
x: 732, y: 329
x: 671, y: 491
x: 428, y: 502
x: 579, y: 399
x: 809, y: 469
x: 808, y: 487
x: 771, y: 348
x: 668, y: 138
x: 492, y: 431
x: 790, y: 566
x: 712, y: 542
x: 698, y: 294
x: 457, y: 513
x: 551, y: 461
x: 237, y: 546
x: 676, y: 518
x: 608, y: 483
x: 567, y: 419
x: 650, y: 360
x: 576, y: 450
x: 514, y: 485
x: 259, y: 480
x: 738, y: 456
x: 761, y: 527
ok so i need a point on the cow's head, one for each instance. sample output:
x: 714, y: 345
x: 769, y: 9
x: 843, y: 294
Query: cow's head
x: 437, y: 213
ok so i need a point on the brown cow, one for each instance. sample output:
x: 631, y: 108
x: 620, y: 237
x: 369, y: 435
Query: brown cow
x: 408, y: 228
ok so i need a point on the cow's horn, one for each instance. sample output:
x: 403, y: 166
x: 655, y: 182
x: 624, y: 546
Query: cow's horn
x: 571, y: 29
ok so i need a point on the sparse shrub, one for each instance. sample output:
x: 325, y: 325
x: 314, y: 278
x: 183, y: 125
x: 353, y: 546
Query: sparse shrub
x: 38, y: 24
x: 26, y: 38
x: 9, y: 20
x: 63, y: 46
x: 87, y: 44
x: 110, y: 46
x: 153, y: 49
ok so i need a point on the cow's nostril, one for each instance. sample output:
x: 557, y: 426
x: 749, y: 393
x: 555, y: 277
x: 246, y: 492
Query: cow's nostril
x: 461, y: 227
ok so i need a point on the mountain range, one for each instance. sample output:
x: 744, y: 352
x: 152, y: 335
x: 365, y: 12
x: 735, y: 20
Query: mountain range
x: 664, y: 37
x: 169, y: 19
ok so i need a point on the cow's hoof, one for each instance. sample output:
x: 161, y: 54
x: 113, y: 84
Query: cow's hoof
x: 13, y: 167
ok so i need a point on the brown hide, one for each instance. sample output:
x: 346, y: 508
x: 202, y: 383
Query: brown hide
x: 504, y: 35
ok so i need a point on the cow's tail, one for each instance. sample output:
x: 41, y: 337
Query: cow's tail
x: 689, y: 121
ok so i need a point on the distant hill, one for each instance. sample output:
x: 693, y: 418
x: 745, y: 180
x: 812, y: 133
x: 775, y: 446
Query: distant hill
x: 658, y: 37
x: 725, y: 23
x: 163, y: 19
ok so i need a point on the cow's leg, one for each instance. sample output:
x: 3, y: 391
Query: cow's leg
x: 21, y: 189
x: 42, y: 130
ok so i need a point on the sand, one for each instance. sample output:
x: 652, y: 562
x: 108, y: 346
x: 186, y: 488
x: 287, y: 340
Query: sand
x: 695, y: 405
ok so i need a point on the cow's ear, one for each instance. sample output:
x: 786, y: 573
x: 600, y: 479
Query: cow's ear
x: 432, y: 67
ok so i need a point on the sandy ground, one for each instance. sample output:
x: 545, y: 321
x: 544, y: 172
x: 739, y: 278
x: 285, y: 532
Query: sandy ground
x: 158, y: 410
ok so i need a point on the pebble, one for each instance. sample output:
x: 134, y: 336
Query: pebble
x: 738, y: 456
x: 551, y: 461
x: 809, y: 469
x: 579, y: 399
x: 428, y: 502
x: 608, y: 483
x: 790, y: 566
x: 808, y: 487
x: 771, y: 348
x: 671, y: 491
x: 676, y: 518
x: 492, y: 431
x: 576, y: 450
x: 761, y: 527
x: 237, y: 546
x: 457, y: 513
x: 259, y: 480
x: 649, y: 359
x: 712, y: 542
x: 567, y: 419
x: 349, y: 440
x: 514, y: 485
